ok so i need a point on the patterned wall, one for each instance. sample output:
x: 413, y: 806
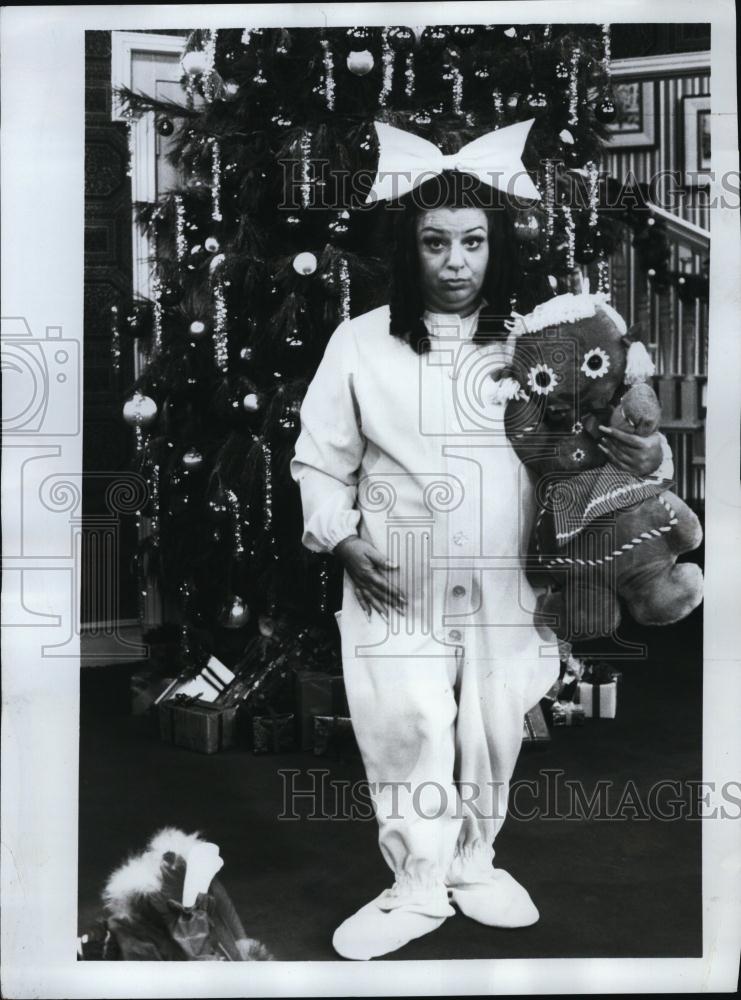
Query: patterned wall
x: 107, y: 440
x: 675, y: 332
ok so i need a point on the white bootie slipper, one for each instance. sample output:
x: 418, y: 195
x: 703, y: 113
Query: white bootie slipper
x: 499, y: 901
x: 390, y: 921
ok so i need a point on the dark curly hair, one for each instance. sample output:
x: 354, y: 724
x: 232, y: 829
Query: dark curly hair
x: 450, y: 189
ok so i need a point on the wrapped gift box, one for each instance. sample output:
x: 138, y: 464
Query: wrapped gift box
x: 274, y: 733
x: 209, y: 685
x: 599, y: 701
x: 597, y: 691
x: 566, y: 713
x: 535, y: 731
x: 333, y: 734
x: 317, y: 693
x: 145, y: 687
x: 196, y: 726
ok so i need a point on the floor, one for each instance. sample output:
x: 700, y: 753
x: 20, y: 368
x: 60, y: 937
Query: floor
x: 604, y: 887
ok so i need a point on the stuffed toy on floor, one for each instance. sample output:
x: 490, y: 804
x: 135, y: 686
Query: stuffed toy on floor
x: 602, y: 535
x: 165, y: 904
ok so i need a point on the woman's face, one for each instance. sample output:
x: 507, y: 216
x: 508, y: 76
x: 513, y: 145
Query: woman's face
x: 453, y: 248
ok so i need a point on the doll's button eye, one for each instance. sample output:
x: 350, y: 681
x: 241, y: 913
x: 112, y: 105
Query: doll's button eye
x: 596, y: 363
x: 542, y: 379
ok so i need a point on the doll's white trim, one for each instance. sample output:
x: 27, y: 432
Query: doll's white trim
x: 567, y: 308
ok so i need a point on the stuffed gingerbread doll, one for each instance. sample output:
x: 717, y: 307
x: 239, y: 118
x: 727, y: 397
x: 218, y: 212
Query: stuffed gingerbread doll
x: 602, y: 535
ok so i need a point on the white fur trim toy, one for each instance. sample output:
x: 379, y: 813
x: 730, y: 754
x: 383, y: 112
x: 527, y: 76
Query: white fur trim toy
x: 639, y: 366
x: 566, y: 308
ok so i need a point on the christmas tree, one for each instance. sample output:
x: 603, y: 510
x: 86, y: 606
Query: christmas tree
x: 268, y: 244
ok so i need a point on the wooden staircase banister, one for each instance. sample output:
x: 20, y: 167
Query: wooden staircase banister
x: 682, y: 231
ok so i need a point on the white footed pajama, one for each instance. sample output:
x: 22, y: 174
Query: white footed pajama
x: 409, y: 452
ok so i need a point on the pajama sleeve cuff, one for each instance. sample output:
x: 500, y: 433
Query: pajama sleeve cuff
x: 322, y: 534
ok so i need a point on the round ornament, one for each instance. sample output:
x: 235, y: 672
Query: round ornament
x: 234, y: 613
x: 192, y: 459
x: 464, y: 35
x: 526, y: 226
x: 140, y: 410
x: 194, y: 62
x: 358, y: 38
x: 251, y: 402
x: 165, y: 126
x: 400, y: 39
x: 138, y: 321
x: 266, y: 625
x: 305, y: 263
x: 197, y: 329
x: 605, y: 112
x: 231, y: 89
x: 435, y: 38
x: 246, y: 354
x: 211, y: 244
x: 170, y: 293
x: 360, y: 62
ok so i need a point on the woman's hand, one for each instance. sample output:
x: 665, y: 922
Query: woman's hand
x: 368, y: 568
x: 639, y: 455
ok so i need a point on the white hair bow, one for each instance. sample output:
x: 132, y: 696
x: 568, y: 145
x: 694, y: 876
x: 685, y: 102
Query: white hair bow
x: 405, y: 160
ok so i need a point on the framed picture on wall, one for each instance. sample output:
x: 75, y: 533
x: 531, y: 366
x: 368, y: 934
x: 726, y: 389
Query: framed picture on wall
x: 696, y: 139
x: 635, y: 121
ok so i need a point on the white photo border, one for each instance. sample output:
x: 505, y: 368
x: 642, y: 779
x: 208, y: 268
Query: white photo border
x: 42, y: 66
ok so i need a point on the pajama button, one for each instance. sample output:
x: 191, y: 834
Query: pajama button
x: 459, y: 591
x: 455, y: 635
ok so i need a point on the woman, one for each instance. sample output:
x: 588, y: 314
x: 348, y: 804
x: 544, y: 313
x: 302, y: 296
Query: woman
x: 407, y: 477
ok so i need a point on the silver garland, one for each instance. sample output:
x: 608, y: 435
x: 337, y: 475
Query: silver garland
x: 268, y: 458
x: 550, y: 198
x: 221, y: 342
x: 606, y: 49
x: 603, y: 273
x: 209, y: 73
x: 329, y: 83
x: 570, y: 236
x: 574, y: 87
x: 181, y: 243
x: 190, y: 91
x: 233, y: 502
x: 344, y: 289
x: 456, y: 78
x: 215, y: 180
x: 305, y: 168
x: 387, y: 62
x: 115, y: 340
x: 409, y: 75
x: 593, y: 174
x: 154, y: 487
